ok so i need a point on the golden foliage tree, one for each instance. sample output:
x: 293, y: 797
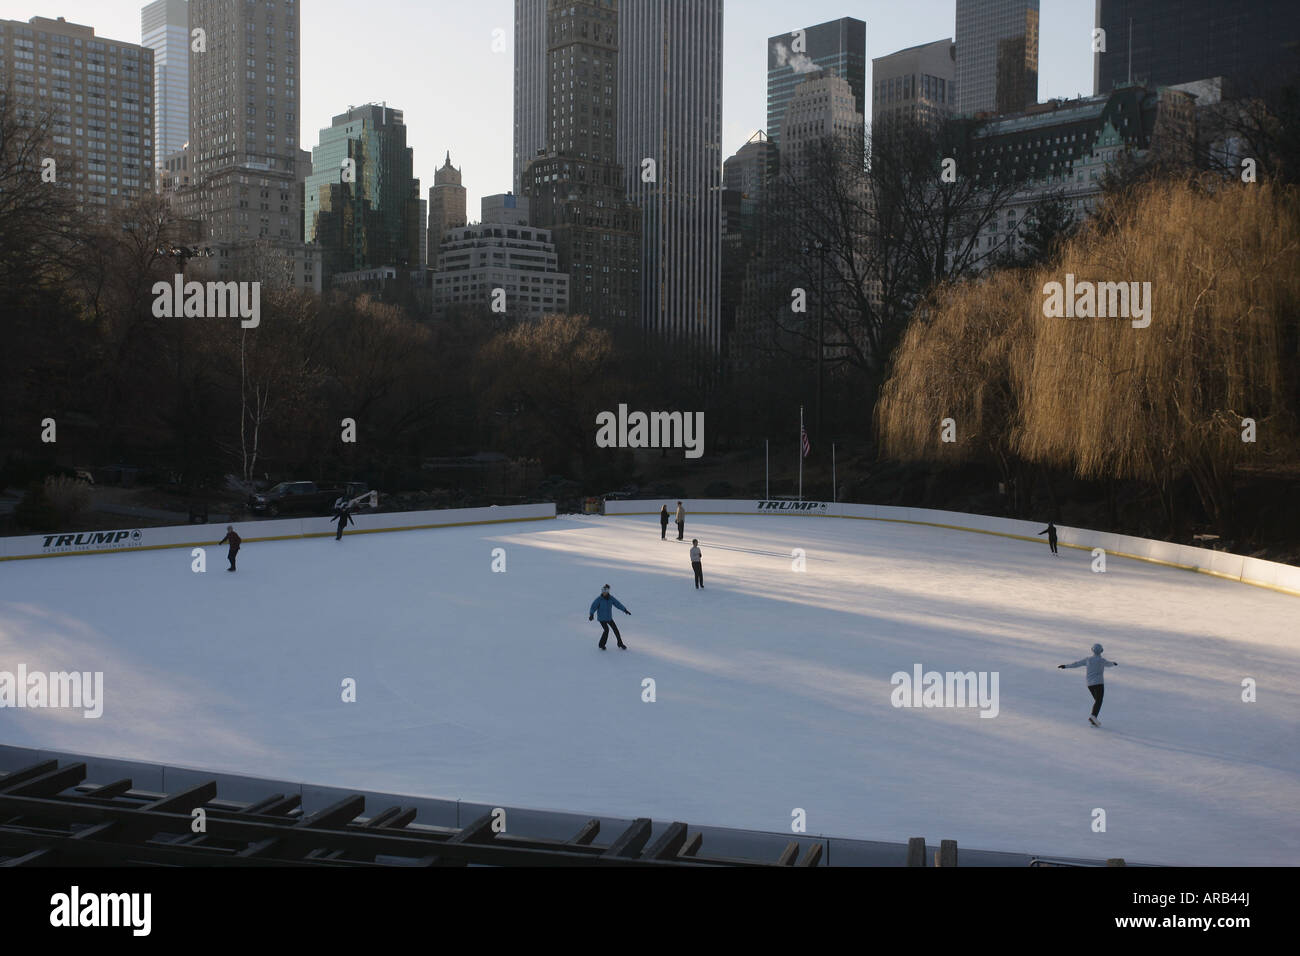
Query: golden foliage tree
x: 1101, y: 397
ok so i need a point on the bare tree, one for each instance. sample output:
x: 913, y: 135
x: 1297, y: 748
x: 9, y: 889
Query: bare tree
x: 872, y: 234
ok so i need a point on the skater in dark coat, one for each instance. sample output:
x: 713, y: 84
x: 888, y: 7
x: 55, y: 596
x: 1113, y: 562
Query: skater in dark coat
x: 603, y: 610
x: 1050, y: 531
x: 663, y: 523
x: 681, y: 521
x: 695, y: 563
x: 1096, y: 665
x: 233, y: 540
x: 344, y: 518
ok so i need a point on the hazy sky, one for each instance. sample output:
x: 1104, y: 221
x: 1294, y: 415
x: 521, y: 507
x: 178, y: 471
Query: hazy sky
x: 433, y: 59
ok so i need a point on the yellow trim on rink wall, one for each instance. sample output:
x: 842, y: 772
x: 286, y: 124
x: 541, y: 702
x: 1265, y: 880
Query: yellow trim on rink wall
x: 279, y: 537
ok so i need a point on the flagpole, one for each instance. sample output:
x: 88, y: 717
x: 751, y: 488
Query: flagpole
x: 800, y: 448
x: 767, y: 470
x: 834, y: 492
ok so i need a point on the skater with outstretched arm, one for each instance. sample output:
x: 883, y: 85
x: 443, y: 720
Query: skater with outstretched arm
x: 663, y: 523
x: 603, y: 610
x: 681, y: 521
x: 695, y: 563
x: 1050, y: 531
x: 344, y: 518
x: 1096, y: 665
x: 234, y: 541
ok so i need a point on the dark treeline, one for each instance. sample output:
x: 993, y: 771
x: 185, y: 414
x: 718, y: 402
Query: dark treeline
x: 873, y: 241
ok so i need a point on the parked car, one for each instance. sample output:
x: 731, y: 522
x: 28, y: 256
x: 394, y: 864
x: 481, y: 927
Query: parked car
x: 302, y: 497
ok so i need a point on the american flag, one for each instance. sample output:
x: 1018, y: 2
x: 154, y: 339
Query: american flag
x: 803, y: 440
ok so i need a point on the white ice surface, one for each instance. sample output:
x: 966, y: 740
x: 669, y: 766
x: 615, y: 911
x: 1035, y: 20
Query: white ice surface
x: 773, y: 686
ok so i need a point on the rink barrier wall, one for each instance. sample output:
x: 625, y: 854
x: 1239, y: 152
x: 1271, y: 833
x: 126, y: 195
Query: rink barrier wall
x: 1234, y: 567
x: 285, y: 529
x: 162, y: 779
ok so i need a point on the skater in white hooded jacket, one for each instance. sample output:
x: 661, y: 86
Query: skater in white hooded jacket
x: 1096, y: 679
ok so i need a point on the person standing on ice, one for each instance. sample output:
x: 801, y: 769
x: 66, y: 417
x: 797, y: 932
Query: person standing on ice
x: 681, y: 521
x: 603, y: 609
x: 695, y: 563
x: 233, y: 540
x: 1050, y: 531
x: 344, y: 518
x: 1096, y: 679
x: 663, y: 523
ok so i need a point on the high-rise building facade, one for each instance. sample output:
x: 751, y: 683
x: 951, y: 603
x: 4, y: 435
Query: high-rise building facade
x: 669, y: 89
x: 997, y: 55
x: 100, y: 95
x: 502, y: 252
x: 362, y: 205
x: 753, y: 168
x: 840, y: 45
x: 165, y: 29
x: 446, y: 205
x: 244, y: 120
x: 576, y: 188
x: 748, y: 179
x: 424, y: 232
x: 821, y: 111
x: 1061, y: 150
x: 915, y: 85
x: 1253, y: 44
x: 530, y: 85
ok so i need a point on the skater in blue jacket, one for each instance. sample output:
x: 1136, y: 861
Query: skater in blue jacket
x: 1096, y: 679
x: 603, y: 609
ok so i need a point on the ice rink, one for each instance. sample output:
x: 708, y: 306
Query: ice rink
x: 772, y: 685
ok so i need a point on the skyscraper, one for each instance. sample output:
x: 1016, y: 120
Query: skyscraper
x: 165, y: 29
x: 530, y: 84
x: 374, y: 219
x: 914, y: 85
x: 576, y: 189
x: 822, y: 110
x: 997, y: 55
x: 1251, y: 43
x: 670, y: 145
x: 100, y: 93
x: 753, y: 168
x: 839, y: 45
x: 502, y: 252
x: 244, y: 124
x: 446, y: 205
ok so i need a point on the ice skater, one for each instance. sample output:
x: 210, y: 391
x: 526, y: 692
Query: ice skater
x: 1096, y: 679
x: 681, y: 521
x: 663, y: 523
x: 603, y: 610
x: 1050, y: 531
x: 695, y: 563
x: 344, y: 518
x: 234, y: 541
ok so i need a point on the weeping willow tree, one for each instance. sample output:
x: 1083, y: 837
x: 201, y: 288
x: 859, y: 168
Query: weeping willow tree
x: 1172, y: 399
x: 954, y: 391
x: 1106, y: 399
